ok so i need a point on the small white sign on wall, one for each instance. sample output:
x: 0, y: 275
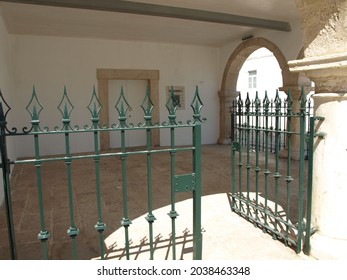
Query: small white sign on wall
x: 179, y: 96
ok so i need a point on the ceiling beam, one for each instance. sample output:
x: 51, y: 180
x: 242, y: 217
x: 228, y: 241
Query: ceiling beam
x: 162, y: 11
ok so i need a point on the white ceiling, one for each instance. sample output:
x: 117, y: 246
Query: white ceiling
x: 27, y: 19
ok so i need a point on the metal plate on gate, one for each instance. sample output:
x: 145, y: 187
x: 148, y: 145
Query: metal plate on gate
x: 184, y: 182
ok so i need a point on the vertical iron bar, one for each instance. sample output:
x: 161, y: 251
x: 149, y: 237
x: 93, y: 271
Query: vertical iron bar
x: 233, y: 184
x: 147, y: 107
x: 241, y: 120
x: 285, y: 110
x: 277, y: 143
x: 244, y: 127
x: 72, y: 231
x: 271, y: 126
x: 232, y: 120
x: 34, y: 108
x: 100, y: 225
x: 289, y: 178
x: 6, y: 184
x: 257, y: 168
x: 248, y: 164
x: 266, y: 103
x: 240, y: 113
x: 126, y: 221
x: 65, y: 107
x: 171, y: 105
x: 173, y: 214
x: 197, y: 241
x: 301, y: 168
x: 150, y: 217
x: 122, y: 107
x: 309, y: 113
x: 233, y: 139
x: 43, y: 235
x: 197, y: 245
x: 263, y: 132
x: 307, y: 245
x: 252, y: 124
x: 280, y: 134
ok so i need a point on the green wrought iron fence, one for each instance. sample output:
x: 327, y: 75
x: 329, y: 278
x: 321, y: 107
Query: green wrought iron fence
x: 190, y: 182
x: 262, y: 139
x: 269, y: 188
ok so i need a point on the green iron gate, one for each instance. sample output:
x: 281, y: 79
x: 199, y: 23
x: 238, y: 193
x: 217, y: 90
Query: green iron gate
x: 190, y: 182
x: 269, y: 188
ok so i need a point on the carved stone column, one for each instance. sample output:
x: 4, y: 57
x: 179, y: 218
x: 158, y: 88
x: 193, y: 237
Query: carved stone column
x: 324, y: 27
x: 225, y: 100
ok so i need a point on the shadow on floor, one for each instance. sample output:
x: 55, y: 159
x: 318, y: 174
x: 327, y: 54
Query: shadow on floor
x: 162, y: 246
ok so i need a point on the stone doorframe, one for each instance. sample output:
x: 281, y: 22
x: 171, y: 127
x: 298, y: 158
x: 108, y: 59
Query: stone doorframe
x: 228, y: 91
x: 104, y: 75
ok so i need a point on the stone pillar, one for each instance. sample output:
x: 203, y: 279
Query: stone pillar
x: 330, y: 178
x: 324, y: 27
x: 226, y: 101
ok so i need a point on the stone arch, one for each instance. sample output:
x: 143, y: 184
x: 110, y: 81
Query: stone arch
x: 231, y: 72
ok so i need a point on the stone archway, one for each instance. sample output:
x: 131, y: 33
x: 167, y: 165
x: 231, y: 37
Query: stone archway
x: 231, y: 72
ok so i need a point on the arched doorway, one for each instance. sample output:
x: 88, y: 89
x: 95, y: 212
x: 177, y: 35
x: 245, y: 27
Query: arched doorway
x: 231, y: 72
x: 105, y: 75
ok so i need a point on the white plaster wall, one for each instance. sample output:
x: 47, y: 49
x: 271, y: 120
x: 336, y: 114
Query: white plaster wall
x: 49, y: 63
x: 6, y: 85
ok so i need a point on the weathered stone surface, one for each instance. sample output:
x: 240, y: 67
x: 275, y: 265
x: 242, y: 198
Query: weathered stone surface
x: 323, y: 26
x: 324, y: 31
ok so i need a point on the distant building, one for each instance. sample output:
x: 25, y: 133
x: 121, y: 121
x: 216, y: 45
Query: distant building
x: 260, y: 72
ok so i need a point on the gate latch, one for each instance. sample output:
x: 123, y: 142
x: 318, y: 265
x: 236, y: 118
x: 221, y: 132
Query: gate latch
x: 184, y: 182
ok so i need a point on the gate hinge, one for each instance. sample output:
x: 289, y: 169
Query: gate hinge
x: 184, y: 182
x: 321, y: 135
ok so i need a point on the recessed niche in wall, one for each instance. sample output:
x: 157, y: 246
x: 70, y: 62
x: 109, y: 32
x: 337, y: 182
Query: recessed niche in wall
x: 179, y: 96
x: 105, y: 75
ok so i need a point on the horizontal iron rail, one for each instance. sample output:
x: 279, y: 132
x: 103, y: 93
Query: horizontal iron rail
x: 105, y: 129
x: 92, y: 156
x: 266, y: 130
x: 267, y: 212
x: 279, y: 234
